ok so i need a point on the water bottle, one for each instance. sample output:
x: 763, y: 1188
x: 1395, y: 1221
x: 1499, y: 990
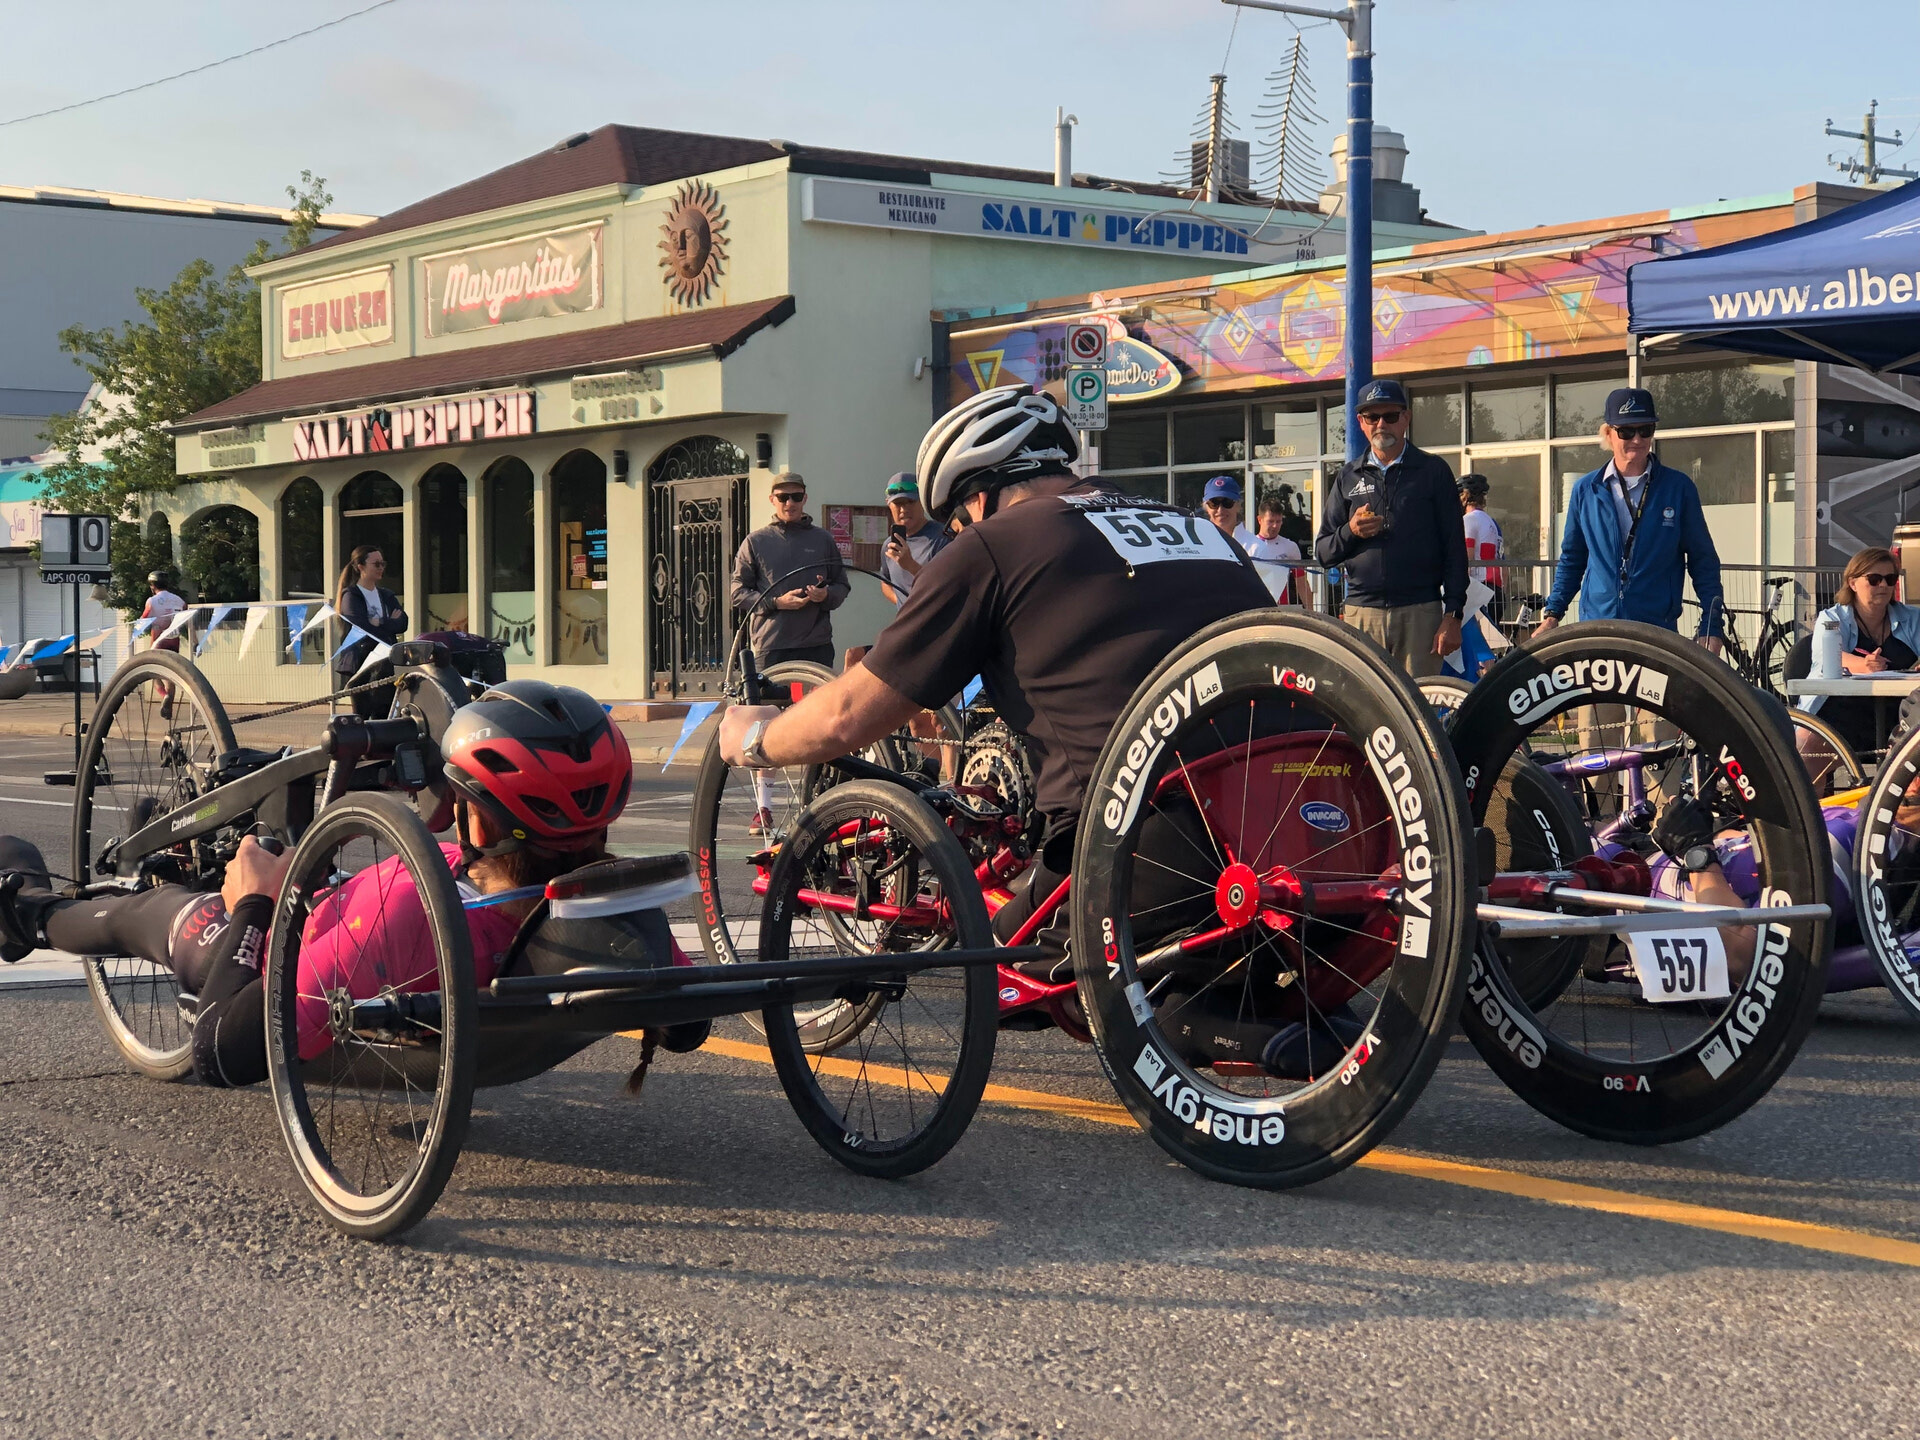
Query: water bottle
x: 1826, y: 647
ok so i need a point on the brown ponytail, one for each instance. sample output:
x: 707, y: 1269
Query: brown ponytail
x: 351, y: 575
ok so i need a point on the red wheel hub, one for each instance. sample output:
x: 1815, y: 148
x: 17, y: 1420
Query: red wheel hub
x: 1236, y: 895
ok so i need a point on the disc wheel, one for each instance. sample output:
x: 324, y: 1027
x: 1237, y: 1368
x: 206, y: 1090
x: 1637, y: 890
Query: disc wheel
x: 1886, y: 872
x: 374, y: 1115
x: 1272, y: 901
x: 726, y: 800
x: 895, y: 1098
x: 1628, y: 718
x: 156, y: 736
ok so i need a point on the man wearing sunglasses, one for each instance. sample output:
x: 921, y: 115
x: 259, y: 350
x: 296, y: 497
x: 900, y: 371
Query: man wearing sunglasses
x: 1632, y: 527
x: 1392, y: 520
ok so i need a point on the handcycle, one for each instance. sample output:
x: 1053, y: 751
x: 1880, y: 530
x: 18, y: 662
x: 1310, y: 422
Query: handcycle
x: 375, y: 1121
x: 1284, y: 881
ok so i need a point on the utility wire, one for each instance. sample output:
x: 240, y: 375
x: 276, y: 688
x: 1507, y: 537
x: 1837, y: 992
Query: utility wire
x: 198, y: 69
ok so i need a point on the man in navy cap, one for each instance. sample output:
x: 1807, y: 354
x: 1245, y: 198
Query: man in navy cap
x: 1631, y: 527
x: 1392, y: 520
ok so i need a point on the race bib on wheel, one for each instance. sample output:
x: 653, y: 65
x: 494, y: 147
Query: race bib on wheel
x: 1147, y: 537
x: 1685, y: 965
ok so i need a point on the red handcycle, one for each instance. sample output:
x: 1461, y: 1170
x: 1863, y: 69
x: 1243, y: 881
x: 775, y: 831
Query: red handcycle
x: 1289, y: 881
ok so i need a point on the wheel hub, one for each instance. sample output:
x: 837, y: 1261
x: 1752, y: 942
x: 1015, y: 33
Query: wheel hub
x: 340, y: 1013
x: 1236, y: 895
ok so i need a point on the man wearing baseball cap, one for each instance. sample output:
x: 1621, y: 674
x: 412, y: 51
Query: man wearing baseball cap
x: 1631, y: 527
x: 912, y: 538
x: 1221, y: 501
x: 1392, y: 520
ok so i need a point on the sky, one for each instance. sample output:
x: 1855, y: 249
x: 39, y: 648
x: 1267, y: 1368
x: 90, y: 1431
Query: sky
x: 1516, y: 114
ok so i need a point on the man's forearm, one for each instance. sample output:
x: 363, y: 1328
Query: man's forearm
x: 836, y: 720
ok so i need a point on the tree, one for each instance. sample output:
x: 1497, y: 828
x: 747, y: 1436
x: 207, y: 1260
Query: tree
x: 199, y: 345
x: 220, y: 554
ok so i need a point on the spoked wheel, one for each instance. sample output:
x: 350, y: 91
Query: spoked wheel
x: 371, y: 1016
x: 1628, y: 719
x: 741, y: 814
x: 899, y: 1091
x: 1272, y: 899
x: 157, y: 733
x: 1886, y: 872
x: 1830, y: 762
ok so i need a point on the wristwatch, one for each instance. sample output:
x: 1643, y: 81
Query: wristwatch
x: 1699, y: 857
x: 752, y: 753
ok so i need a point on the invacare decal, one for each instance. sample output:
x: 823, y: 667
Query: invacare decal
x: 1551, y: 689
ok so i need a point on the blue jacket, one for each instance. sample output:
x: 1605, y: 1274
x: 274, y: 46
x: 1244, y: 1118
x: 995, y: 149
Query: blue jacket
x: 1673, y: 534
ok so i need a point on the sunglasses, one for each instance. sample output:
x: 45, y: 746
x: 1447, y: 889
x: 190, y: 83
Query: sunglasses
x: 1634, y: 432
x: 1381, y: 417
x: 1879, y: 579
x: 1218, y: 501
x: 786, y: 497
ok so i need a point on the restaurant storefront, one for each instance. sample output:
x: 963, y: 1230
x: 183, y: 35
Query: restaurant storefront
x: 1508, y: 345
x: 555, y: 397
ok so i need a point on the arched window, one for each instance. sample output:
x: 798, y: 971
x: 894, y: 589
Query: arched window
x: 443, y: 548
x: 372, y: 512
x: 578, y: 491
x: 220, y: 553
x: 511, y: 602
x: 302, y: 559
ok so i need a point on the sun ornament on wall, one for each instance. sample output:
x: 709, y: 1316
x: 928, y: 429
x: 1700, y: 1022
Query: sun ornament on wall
x: 693, y: 248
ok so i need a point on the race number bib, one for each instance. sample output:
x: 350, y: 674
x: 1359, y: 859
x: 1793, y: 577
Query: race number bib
x: 1686, y: 965
x: 1146, y: 537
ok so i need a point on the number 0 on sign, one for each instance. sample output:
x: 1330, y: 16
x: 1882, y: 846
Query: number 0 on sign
x: 1086, y: 407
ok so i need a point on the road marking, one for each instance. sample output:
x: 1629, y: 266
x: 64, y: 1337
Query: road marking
x: 1830, y: 1238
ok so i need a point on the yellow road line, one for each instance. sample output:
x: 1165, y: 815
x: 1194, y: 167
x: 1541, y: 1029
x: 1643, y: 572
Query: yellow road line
x: 1830, y: 1238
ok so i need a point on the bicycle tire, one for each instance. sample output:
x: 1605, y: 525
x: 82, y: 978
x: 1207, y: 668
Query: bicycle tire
x: 1700, y: 1084
x: 138, y: 1002
x: 1342, y: 697
x: 911, y: 828
x: 1886, y: 887
x: 352, y: 1063
x: 1847, y: 772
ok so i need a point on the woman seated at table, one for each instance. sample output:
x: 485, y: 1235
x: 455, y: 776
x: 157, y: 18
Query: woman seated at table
x: 1877, y: 634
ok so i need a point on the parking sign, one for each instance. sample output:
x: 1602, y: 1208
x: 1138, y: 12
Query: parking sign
x: 1086, y: 407
x: 1087, y: 344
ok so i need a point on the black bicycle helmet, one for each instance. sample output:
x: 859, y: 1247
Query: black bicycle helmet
x: 158, y: 577
x: 1474, y: 486
x: 996, y: 438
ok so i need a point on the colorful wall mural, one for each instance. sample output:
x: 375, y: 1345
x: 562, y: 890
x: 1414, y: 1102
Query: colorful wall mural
x: 1503, y: 299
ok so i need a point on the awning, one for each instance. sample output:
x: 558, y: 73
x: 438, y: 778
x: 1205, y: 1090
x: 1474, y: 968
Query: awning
x: 1845, y: 287
x: 716, y: 332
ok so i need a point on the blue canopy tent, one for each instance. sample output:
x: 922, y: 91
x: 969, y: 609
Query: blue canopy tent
x: 1845, y: 288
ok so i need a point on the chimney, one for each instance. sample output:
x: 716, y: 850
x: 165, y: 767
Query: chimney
x: 1394, y: 201
x: 1063, y: 124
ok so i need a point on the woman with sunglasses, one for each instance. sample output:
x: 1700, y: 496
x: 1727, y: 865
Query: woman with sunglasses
x: 1877, y: 633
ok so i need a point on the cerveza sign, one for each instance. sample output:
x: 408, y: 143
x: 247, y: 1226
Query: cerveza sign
x: 505, y: 415
x: 1067, y: 221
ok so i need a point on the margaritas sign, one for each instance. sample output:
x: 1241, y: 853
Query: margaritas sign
x: 558, y: 273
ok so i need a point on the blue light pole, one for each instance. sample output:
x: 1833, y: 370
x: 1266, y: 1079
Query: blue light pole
x: 1357, y: 21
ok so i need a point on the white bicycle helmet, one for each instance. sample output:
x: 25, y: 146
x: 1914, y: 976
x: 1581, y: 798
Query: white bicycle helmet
x: 998, y: 437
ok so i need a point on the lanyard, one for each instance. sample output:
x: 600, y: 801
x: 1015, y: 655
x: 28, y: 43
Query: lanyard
x: 1646, y: 494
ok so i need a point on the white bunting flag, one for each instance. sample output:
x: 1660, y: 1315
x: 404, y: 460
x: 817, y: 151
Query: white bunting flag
x: 180, y: 622
x: 257, y: 615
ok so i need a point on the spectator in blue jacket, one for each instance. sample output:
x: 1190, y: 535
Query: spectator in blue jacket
x: 1631, y: 527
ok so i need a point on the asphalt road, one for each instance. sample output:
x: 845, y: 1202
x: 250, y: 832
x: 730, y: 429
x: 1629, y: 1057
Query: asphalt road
x: 689, y: 1264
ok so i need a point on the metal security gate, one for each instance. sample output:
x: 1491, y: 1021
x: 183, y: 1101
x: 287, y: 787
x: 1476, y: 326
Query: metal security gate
x: 697, y: 514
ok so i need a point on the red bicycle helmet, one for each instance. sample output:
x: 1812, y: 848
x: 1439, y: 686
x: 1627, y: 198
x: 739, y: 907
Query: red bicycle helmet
x: 544, y: 761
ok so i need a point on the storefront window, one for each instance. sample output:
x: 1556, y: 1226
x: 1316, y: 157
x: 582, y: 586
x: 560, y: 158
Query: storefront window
x: 1436, y: 418
x: 1336, y: 427
x: 1188, y: 487
x: 302, y: 576
x: 579, y: 490
x: 1513, y: 499
x: 1509, y: 412
x: 1722, y: 468
x: 372, y: 512
x: 1579, y: 404
x: 443, y: 548
x: 1778, y: 453
x: 1208, y: 437
x: 1134, y: 442
x: 1288, y: 431
x: 1567, y: 464
x: 1295, y: 490
x: 510, y: 542
x: 1149, y: 485
x: 1733, y: 392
